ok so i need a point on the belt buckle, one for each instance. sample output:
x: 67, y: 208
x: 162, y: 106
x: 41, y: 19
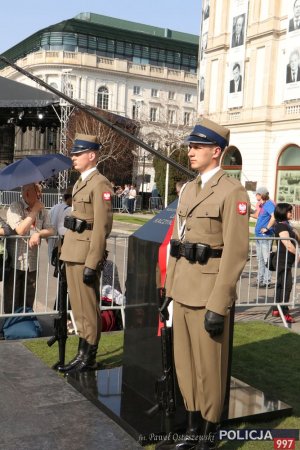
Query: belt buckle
x: 181, y: 250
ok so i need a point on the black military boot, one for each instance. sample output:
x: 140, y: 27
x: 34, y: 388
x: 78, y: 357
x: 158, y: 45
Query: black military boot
x: 88, y: 359
x: 190, y: 439
x: 76, y: 360
x: 208, y: 436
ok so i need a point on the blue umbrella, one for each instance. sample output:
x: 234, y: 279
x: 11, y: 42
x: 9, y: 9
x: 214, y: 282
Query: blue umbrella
x: 32, y: 169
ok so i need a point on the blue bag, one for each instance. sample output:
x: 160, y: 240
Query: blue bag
x: 22, y: 327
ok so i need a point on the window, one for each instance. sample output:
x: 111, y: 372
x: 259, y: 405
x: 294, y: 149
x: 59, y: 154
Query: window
x: 136, y: 90
x: 187, y: 118
x: 153, y: 114
x: 68, y: 90
x: 171, y: 95
x: 154, y: 93
x: 135, y: 111
x: 171, y: 116
x: 188, y: 98
x: 103, y: 97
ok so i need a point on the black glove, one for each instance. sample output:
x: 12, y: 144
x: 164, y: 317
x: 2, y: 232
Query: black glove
x: 214, y: 323
x: 163, y: 310
x: 89, y: 275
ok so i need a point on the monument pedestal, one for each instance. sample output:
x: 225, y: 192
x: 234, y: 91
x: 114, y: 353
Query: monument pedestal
x: 106, y: 389
x: 127, y: 393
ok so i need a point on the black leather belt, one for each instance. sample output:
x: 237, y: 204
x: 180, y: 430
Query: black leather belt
x: 194, y: 252
x: 212, y: 252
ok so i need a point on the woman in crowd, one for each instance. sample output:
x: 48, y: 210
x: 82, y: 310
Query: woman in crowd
x: 286, y: 256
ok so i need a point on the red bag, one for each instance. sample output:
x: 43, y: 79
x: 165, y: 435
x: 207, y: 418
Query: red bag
x: 107, y: 316
x: 108, y: 320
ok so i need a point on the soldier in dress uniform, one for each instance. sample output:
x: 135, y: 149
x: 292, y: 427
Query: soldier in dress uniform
x: 209, y: 249
x: 84, y: 249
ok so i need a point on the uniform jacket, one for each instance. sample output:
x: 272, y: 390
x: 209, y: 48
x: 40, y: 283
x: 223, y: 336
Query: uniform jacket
x: 91, y: 202
x: 217, y: 216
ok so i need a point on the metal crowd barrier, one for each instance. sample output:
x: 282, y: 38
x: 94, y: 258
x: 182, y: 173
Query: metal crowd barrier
x: 121, y: 205
x: 46, y: 291
x: 250, y: 294
x: 49, y: 199
x: 155, y: 204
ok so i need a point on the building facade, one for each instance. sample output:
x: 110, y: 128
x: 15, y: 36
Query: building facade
x: 249, y: 80
x: 138, y: 71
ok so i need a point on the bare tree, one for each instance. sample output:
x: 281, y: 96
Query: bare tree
x: 165, y: 134
x: 115, y: 157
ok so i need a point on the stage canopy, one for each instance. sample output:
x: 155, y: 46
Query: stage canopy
x: 25, y: 106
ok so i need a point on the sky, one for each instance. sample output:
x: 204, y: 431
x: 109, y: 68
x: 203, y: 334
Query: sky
x: 21, y: 18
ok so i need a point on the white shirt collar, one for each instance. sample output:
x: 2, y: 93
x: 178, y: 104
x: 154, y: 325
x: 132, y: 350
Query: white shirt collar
x: 86, y: 173
x: 205, y: 177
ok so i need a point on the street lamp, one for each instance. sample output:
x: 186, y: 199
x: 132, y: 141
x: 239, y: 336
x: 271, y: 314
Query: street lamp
x: 143, y: 158
x: 167, y: 175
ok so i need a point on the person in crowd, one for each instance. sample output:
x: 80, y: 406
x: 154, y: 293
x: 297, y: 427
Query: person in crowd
x: 28, y: 217
x: 263, y: 229
x: 125, y: 194
x: 293, y: 68
x: 57, y: 214
x: 294, y: 23
x: 84, y: 249
x: 236, y: 82
x: 132, y: 198
x: 209, y: 249
x: 238, y: 31
x: 286, y: 256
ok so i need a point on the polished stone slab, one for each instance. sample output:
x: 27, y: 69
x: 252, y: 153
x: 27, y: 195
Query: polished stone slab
x: 131, y: 410
x: 39, y: 410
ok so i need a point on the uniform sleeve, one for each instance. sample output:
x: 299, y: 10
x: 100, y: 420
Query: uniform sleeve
x: 102, y: 207
x: 235, y: 251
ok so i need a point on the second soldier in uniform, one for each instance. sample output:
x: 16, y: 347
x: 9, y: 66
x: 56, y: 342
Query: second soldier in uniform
x: 84, y: 249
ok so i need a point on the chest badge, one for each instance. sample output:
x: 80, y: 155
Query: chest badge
x: 242, y: 208
x: 106, y: 196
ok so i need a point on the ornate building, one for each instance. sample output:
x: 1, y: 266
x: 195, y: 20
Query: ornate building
x: 248, y: 80
x: 134, y: 70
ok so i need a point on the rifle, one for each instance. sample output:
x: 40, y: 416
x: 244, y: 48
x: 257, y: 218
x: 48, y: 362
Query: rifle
x: 60, y: 322
x: 165, y: 385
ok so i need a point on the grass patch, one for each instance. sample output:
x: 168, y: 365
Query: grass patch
x: 131, y: 219
x: 109, y: 354
x: 264, y: 356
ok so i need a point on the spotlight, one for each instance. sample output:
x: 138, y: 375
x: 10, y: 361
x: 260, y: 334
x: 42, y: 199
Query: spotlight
x: 40, y: 115
x: 21, y: 115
